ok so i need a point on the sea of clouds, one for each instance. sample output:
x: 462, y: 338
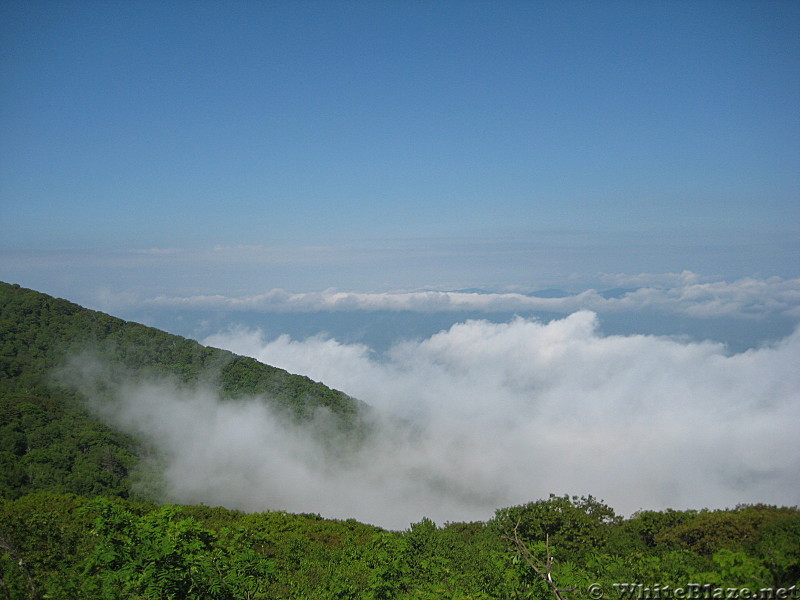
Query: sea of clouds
x: 495, y: 414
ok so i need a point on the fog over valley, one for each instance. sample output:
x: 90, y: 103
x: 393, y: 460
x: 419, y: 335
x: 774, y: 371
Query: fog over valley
x: 486, y: 414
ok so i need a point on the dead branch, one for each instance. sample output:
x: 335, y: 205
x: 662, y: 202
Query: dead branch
x: 541, y: 568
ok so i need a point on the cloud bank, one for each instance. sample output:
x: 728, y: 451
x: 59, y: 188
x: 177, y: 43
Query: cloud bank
x: 685, y: 294
x: 497, y: 414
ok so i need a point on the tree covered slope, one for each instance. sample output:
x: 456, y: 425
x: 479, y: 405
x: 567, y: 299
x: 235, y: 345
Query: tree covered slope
x: 48, y: 440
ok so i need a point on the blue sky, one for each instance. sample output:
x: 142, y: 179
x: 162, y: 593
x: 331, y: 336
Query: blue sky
x: 383, y: 145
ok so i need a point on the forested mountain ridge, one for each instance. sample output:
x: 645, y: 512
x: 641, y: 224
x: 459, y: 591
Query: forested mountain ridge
x: 48, y: 440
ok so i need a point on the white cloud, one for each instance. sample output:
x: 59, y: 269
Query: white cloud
x: 496, y: 414
x: 155, y: 251
x: 652, y: 279
x: 333, y: 300
x: 685, y: 293
x: 511, y: 412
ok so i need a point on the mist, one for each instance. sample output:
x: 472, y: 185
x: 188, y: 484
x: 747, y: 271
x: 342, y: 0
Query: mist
x: 493, y: 415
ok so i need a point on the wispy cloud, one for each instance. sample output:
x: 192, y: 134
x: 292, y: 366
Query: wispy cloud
x: 155, y: 251
x: 685, y: 293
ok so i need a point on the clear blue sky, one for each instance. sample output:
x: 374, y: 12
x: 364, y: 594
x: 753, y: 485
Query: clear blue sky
x: 138, y: 125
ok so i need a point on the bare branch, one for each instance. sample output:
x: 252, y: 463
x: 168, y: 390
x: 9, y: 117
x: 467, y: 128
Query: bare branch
x: 542, y: 569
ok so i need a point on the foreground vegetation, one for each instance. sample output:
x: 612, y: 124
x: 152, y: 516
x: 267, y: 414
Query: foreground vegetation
x: 73, y: 525
x: 65, y: 546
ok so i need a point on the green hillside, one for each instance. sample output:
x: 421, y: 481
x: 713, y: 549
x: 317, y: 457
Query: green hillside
x: 48, y: 440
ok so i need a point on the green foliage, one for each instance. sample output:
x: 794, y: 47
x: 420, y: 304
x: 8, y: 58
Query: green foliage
x: 779, y: 548
x: 43, y: 535
x: 56, y: 446
x: 65, y: 546
x: 390, y: 571
x: 166, y: 555
x: 735, y: 567
x: 572, y: 525
x: 645, y: 525
x: 759, y: 530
